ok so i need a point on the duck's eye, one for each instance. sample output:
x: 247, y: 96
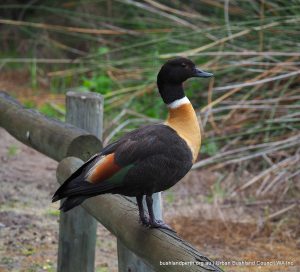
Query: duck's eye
x: 183, y: 64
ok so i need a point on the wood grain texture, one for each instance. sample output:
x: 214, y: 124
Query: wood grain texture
x: 53, y: 138
x: 77, y: 229
x: 152, y: 245
x: 89, y: 111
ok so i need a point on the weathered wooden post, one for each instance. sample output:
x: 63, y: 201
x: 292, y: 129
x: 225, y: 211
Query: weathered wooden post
x: 77, y: 229
x: 127, y: 260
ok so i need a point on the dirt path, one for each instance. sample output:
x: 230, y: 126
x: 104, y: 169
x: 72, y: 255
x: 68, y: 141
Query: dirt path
x: 28, y: 219
x: 29, y: 222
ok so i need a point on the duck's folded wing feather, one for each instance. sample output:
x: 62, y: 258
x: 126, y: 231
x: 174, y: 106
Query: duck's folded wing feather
x: 106, y: 170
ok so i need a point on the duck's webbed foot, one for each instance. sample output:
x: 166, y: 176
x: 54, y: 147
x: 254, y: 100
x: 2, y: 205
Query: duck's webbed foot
x: 144, y: 221
x: 160, y: 225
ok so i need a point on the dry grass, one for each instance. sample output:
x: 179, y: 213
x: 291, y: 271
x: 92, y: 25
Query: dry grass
x: 249, y: 111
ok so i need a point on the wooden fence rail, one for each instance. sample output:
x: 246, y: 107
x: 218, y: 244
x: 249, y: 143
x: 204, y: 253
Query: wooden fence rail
x: 55, y: 139
x: 118, y: 214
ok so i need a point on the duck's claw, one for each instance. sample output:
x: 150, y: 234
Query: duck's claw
x: 144, y: 221
x: 159, y: 224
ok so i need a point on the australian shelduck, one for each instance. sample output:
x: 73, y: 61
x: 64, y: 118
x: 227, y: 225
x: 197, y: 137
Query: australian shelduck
x: 147, y: 160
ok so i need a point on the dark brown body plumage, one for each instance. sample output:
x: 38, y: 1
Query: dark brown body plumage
x: 160, y: 157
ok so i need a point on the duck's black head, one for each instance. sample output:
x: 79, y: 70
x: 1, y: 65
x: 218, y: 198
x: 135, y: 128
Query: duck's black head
x: 171, y: 76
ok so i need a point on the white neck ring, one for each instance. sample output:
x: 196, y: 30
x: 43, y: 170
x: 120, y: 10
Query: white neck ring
x: 179, y: 102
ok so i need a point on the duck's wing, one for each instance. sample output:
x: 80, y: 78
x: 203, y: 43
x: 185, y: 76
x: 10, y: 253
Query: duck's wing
x: 106, y: 171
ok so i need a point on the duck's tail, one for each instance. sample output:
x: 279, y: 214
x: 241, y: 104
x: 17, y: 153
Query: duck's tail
x: 72, y: 202
x: 77, y: 189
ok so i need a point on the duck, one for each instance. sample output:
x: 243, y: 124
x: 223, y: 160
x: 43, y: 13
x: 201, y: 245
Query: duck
x: 150, y: 159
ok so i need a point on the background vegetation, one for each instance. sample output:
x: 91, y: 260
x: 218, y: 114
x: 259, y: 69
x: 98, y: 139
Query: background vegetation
x: 250, y: 111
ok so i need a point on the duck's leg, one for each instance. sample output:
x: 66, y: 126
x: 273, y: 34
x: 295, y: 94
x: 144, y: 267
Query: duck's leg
x: 153, y: 223
x: 143, y: 218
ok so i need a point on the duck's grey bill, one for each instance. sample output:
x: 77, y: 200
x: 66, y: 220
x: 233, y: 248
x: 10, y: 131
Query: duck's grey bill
x: 200, y: 73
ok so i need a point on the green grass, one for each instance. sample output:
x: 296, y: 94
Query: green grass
x: 28, y: 251
x: 218, y: 193
x: 209, y: 148
x: 102, y: 269
x: 52, y: 212
x: 169, y: 197
x: 98, y: 83
x: 12, y: 151
x: 29, y: 104
x: 51, y: 111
